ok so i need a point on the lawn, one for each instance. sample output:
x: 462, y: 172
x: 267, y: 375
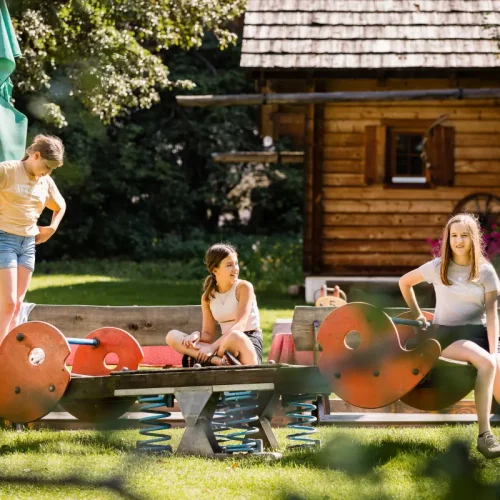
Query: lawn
x: 367, y: 463
x: 355, y: 463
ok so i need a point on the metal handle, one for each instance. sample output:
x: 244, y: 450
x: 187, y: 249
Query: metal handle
x: 92, y: 342
x: 411, y: 322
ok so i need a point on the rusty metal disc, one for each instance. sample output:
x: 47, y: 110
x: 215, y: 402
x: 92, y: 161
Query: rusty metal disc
x: 363, y: 359
x: 446, y: 384
x: 33, y: 371
x: 409, y: 335
x: 90, y: 360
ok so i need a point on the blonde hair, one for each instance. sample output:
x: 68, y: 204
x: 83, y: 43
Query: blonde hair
x: 50, y: 148
x: 477, y: 255
x: 214, y: 256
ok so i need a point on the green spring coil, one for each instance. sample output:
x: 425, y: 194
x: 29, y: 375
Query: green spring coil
x: 301, y: 420
x: 155, y: 431
x: 233, y: 414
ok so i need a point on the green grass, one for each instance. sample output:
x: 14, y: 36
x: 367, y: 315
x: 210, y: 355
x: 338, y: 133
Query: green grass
x: 353, y: 463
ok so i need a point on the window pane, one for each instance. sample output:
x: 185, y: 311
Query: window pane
x: 416, y: 166
x: 408, y: 150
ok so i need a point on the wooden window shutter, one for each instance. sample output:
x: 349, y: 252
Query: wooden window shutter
x: 441, y: 155
x: 370, y: 154
x: 375, y: 145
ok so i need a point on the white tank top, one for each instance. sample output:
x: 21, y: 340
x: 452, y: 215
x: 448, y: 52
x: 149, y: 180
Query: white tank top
x: 224, y: 307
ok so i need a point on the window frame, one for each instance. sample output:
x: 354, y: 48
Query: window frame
x: 391, y: 157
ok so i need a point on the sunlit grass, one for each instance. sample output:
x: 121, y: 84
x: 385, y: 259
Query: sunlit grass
x: 353, y: 463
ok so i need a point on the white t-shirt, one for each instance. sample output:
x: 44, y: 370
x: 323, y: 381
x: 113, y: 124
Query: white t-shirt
x: 461, y: 303
x: 23, y: 198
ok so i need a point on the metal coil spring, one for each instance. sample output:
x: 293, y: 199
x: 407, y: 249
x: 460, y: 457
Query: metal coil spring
x: 155, y: 431
x: 301, y: 420
x: 233, y: 414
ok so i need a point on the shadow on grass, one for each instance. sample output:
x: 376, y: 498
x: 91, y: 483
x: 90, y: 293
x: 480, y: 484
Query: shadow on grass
x: 357, y: 459
x: 68, y: 444
x: 457, y: 473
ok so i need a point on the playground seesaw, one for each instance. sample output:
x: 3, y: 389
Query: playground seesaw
x: 365, y: 357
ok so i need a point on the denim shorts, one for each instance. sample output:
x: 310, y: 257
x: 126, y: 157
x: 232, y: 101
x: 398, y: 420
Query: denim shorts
x: 17, y: 251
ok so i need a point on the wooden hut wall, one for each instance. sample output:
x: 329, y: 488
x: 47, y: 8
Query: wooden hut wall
x: 374, y: 229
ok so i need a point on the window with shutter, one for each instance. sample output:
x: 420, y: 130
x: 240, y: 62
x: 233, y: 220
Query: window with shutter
x: 406, y: 154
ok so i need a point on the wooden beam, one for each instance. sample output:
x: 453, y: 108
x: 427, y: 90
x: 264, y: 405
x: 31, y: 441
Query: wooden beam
x: 322, y: 97
x: 259, y: 157
x: 317, y: 187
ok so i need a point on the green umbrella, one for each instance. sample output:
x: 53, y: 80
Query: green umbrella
x: 13, y: 124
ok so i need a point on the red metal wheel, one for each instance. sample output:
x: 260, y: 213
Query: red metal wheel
x: 91, y: 360
x: 363, y: 358
x: 33, y: 371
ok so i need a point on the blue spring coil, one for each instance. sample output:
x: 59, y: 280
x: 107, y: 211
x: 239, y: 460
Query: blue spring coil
x: 156, y: 427
x: 233, y: 415
x: 301, y: 420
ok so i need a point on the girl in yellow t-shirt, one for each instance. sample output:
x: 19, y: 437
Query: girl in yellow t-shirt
x: 26, y: 188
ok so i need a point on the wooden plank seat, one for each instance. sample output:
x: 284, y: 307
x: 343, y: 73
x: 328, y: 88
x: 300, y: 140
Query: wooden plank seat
x: 198, y: 391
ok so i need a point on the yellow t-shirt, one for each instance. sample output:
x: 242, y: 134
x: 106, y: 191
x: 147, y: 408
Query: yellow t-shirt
x: 23, y: 198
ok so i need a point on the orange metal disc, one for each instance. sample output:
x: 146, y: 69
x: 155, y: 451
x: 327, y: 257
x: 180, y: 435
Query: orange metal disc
x: 378, y: 371
x: 409, y: 335
x: 90, y: 360
x: 33, y: 373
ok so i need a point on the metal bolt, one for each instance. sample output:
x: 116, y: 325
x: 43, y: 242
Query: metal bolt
x: 337, y: 375
x: 149, y: 325
x: 17, y: 390
x: 52, y: 388
x: 20, y: 337
x: 376, y: 373
x: 415, y: 371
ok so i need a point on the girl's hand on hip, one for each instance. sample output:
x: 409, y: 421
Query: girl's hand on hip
x: 191, y: 340
x: 45, y: 233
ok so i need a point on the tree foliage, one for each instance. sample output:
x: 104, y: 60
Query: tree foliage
x: 138, y: 175
x: 106, y: 53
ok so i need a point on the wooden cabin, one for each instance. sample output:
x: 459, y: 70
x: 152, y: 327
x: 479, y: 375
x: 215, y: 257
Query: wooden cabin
x: 371, y: 201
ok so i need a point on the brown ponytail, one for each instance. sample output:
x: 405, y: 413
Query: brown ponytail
x: 214, y: 256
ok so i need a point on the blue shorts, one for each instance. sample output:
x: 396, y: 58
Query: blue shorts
x: 17, y: 251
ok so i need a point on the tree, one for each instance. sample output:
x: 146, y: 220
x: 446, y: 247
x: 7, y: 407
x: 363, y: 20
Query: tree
x: 106, y: 53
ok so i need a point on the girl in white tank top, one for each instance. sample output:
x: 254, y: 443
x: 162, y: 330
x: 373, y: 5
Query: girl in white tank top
x: 231, y: 302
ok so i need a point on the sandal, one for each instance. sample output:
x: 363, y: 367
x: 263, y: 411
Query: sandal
x: 231, y: 360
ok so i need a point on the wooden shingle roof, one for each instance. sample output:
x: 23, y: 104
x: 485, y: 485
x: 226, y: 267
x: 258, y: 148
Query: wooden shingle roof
x: 371, y: 34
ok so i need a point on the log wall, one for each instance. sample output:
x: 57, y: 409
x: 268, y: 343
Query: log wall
x: 375, y: 229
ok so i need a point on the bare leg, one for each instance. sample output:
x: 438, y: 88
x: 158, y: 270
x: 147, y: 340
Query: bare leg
x: 8, y: 298
x: 496, y: 384
x: 23, y: 281
x: 464, y: 350
x: 174, y: 340
x: 239, y: 345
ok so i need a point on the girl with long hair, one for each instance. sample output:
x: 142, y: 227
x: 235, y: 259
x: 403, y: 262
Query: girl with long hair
x: 466, y: 317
